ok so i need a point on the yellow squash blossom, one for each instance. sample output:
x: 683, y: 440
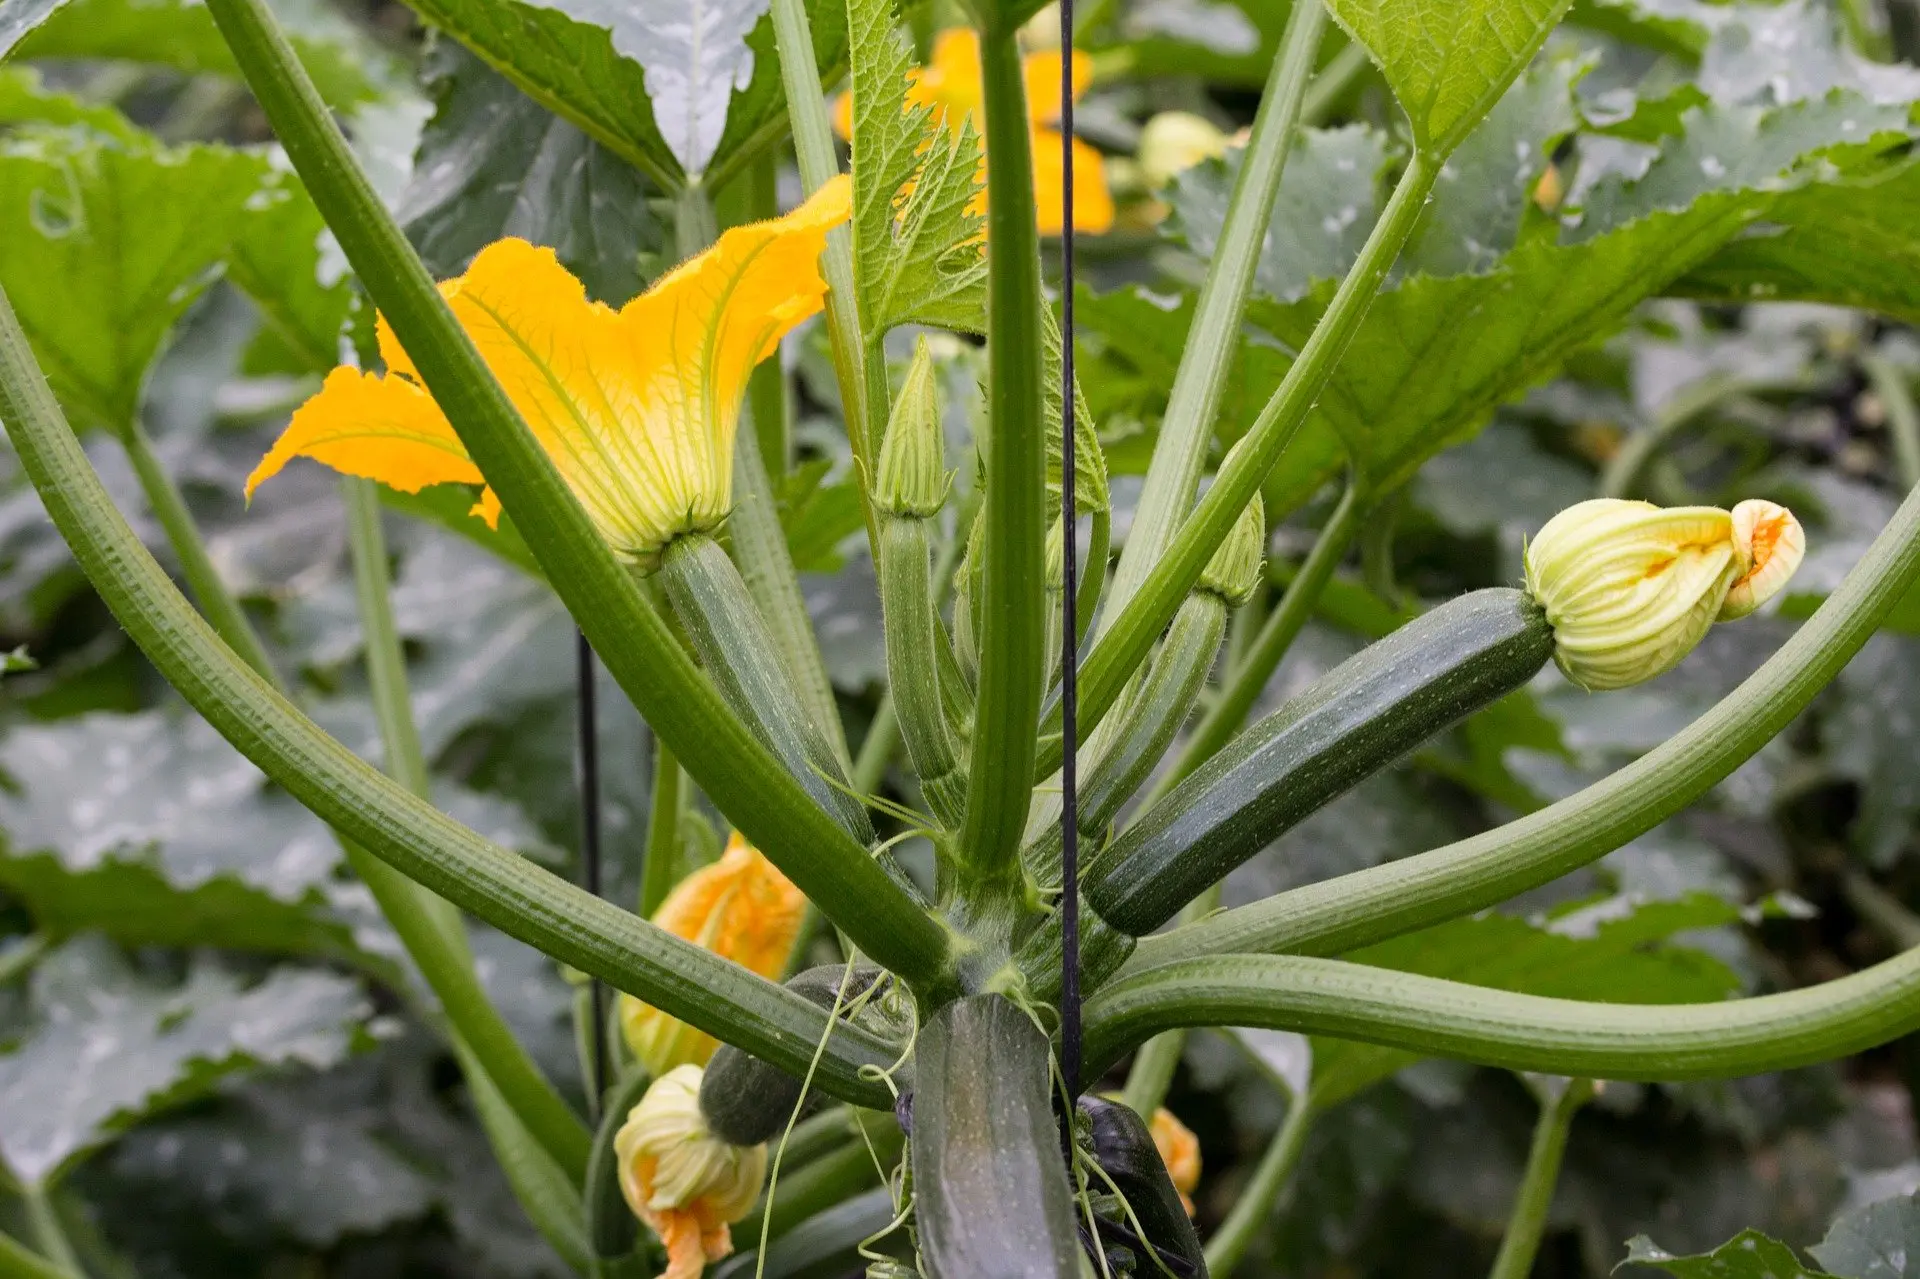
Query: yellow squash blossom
x: 740, y: 908
x: 952, y: 85
x: 637, y: 407
x: 685, y: 1183
x: 1179, y: 1151
x: 1630, y: 587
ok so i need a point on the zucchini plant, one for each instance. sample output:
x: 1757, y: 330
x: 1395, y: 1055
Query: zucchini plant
x: 1019, y: 939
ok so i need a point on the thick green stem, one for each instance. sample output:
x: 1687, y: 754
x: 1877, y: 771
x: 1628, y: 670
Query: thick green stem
x: 1891, y: 384
x: 1437, y: 1018
x: 1263, y: 1189
x: 668, y: 808
x: 1013, y: 569
x: 1151, y: 1074
x: 1249, y: 679
x: 549, y: 1194
x: 1173, y: 476
x: 1528, y: 1219
x: 913, y: 671
x: 402, y: 830
x: 1472, y: 874
x: 1130, y: 635
x: 694, y: 226
x: 183, y: 535
x: 386, y: 660
x: 18, y: 1262
x: 819, y: 164
x: 742, y: 777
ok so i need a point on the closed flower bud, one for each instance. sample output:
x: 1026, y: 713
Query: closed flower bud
x: 686, y: 1184
x: 1174, y: 141
x: 911, y: 478
x: 1234, y: 571
x: 1179, y: 1151
x: 1630, y: 587
x: 740, y: 908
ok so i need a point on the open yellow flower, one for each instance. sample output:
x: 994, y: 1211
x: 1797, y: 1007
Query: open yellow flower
x: 740, y: 908
x: 637, y: 407
x: 1630, y: 587
x: 951, y: 84
x: 685, y: 1183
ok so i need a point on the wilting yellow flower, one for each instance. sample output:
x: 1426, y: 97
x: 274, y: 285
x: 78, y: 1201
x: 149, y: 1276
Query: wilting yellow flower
x: 685, y: 1183
x: 740, y: 908
x: 952, y: 85
x: 1630, y: 587
x: 1179, y: 1151
x: 637, y: 407
x: 1175, y: 141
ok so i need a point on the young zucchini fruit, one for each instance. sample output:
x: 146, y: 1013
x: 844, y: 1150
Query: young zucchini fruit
x: 1369, y: 711
x: 1122, y: 1144
x: 746, y: 1101
x: 612, y: 1233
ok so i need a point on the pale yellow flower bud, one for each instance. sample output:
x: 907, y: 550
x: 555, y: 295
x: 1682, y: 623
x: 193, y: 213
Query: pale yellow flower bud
x: 1175, y: 141
x: 1630, y: 587
x: 686, y: 1184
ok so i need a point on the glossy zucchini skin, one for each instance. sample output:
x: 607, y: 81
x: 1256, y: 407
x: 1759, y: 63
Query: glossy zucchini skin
x: 1361, y: 716
x: 1123, y: 1146
x: 990, y: 1183
x: 747, y: 1101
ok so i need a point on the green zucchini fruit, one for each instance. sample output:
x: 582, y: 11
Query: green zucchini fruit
x: 1364, y: 714
x: 746, y: 1101
x: 612, y: 1230
x: 990, y: 1184
x: 1123, y: 1147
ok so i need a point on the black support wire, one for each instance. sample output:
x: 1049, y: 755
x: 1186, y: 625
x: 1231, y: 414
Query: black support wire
x: 587, y: 728
x: 1069, y: 637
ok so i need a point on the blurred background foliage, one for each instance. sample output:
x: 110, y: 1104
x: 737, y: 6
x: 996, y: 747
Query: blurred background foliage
x: 214, y: 1051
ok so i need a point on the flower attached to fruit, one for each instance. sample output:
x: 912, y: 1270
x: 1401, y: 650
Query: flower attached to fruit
x: 638, y: 408
x: 1630, y: 587
x: 740, y: 908
x: 1179, y: 1151
x: 952, y: 85
x: 685, y: 1183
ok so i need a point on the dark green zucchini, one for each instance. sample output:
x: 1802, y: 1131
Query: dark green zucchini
x: 612, y: 1230
x: 1367, y: 712
x: 990, y: 1183
x: 747, y: 1101
x: 1123, y: 1147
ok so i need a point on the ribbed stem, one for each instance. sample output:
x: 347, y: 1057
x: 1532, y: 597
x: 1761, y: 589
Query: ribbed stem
x: 664, y: 817
x: 1521, y: 1243
x: 1012, y: 604
x: 913, y: 672
x: 1193, y: 404
x: 548, y: 1194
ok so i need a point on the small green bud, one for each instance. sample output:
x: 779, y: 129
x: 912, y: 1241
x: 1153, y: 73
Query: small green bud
x: 1234, y: 571
x: 912, y: 475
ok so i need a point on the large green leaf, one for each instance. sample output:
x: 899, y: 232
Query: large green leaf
x: 1436, y: 355
x: 599, y: 65
x: 1748, y: 1255
x: 493, y: 163
x: 1611, y: 951
x: 346, y: 66
x: 107, y: 1046
x: 24, y: 100
x: 1448, y: 60
x: 103, y: 246
x: 917, y: 256
x: 1879, y: 1241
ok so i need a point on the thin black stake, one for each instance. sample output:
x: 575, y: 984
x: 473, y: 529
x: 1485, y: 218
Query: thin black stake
x: 1069, y: 639
x: 587, y: 726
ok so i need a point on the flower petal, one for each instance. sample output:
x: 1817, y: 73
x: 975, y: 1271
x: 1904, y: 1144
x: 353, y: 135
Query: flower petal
x: 379, y: 428
x: 1770, y: 544
x: 1092, y: 198
x: 1042, y: 74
